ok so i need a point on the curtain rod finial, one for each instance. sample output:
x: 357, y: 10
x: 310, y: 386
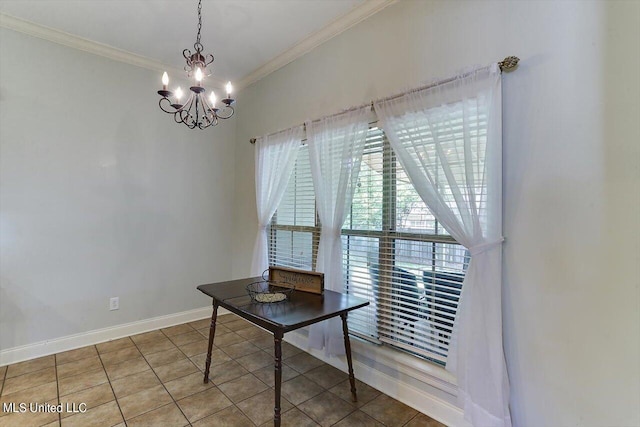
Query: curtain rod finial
x: 252, y: 140
x: 508, y: 63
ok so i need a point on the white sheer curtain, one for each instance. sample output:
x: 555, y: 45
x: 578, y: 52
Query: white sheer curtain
x: 335, y: 150
x: 275, y: 158
x: 449, y: 140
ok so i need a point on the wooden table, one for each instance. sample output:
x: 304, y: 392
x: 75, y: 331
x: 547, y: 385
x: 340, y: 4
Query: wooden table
x: 302, y: 310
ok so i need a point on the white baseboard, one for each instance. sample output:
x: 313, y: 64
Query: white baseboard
x: 420, y: 400
x: 71, y: 342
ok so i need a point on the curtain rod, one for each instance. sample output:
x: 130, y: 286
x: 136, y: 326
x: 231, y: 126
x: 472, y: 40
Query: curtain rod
x: 507, y: 64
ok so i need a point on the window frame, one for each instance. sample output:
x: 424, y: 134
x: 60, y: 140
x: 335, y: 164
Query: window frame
x: 387, y: 237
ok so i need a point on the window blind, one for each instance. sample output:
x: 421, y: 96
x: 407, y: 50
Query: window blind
x: 294, y: 235
x: 395, y: 253
x: 398, y: 257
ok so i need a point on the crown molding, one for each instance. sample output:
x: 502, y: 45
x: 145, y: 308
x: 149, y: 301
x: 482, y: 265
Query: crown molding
x: 343, y: 23
x: 353, y: 17
x: 90, y: 46
x: 76, y: 42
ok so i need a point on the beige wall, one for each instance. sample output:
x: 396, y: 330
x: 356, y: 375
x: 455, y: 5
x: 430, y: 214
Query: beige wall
x: 571, y: 176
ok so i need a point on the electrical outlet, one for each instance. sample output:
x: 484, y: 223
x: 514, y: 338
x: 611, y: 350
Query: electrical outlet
x: 114, y: 303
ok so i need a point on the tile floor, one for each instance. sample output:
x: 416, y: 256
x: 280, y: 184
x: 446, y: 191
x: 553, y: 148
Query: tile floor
x: 155, y: 379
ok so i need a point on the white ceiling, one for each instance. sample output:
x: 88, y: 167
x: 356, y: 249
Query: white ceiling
x: 243, y: 35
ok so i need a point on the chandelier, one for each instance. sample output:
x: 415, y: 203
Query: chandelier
x: 198, y: 111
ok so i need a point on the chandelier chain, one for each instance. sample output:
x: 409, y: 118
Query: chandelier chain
x: 199, y: 21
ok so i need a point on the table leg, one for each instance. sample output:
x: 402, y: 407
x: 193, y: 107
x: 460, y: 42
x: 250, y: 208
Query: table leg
x: 277, y: 339
x: 347, y: 347
x: 212, y: 333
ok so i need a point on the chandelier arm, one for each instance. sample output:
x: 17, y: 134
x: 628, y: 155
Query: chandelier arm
x: 190, y: 121
x: 184, y: 118
x: 198, y: 103
x: 208, y: 60
x: 209, y: 116
x: 192, y: 124
x: 168, y: 102
x: 184, y: 111
x: 224, y: 116
x: 208, y: 111
x: 210, y: 121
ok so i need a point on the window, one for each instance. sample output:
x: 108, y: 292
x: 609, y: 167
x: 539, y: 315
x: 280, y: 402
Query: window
x: 395, y: 254
x: 398, y: 257
x: 294, y: 230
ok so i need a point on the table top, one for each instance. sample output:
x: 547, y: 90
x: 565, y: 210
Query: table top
x: 301, y: 310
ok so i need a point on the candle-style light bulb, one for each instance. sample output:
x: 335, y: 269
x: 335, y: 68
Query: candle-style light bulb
x: 229, y: 89
x: 198, y: 76
x: 165, y: 80
x: 178, y: 93
x: 213, y: 99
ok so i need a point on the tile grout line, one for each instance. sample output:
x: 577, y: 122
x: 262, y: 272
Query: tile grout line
x: 77, y: 374
x: 324, y: 390
x: 233, y: 359
x: 223, y: 393
x: 115, y: 398
x: 189, y: 359
x: 235, y: 404
x: 4, y: 379
x: 55, y: 367
x: 214, y: 385
x: 202, y: 372
x: 250, y: 373
x: 411, y: 419
x: 316, y: 395
x: 294, y: 406
x: 151, y: 369
x: 162, y: 382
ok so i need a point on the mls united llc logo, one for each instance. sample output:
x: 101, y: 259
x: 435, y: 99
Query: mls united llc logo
x: 32, y: 407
